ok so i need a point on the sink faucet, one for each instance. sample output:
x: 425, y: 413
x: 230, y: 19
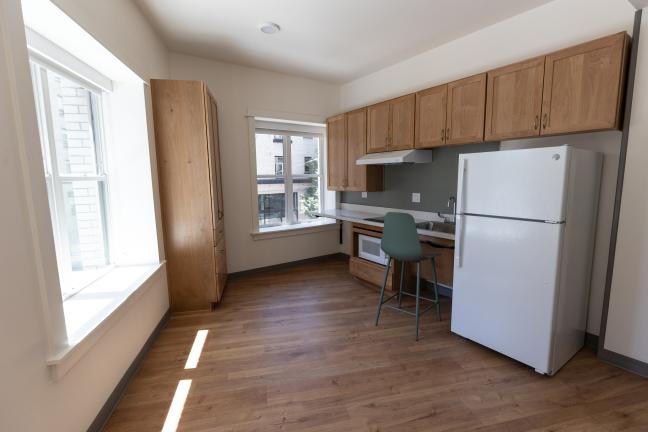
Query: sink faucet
x: 452, y: 204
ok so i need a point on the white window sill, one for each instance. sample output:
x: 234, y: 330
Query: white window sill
x: 317, y: 225
x: 92, y: 311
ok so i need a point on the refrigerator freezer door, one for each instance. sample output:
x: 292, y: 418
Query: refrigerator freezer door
x: 505, y: 286
x: 528, y: 184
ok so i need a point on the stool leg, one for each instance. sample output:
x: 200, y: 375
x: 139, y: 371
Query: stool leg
x: 418, y: 296
x: 436, y: 289
x: 382, y: 291
x: 400, y: 290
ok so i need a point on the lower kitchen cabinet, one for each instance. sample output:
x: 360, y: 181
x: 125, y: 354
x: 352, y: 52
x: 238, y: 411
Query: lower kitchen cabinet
x: 374, y: 273
x: 444, y: 261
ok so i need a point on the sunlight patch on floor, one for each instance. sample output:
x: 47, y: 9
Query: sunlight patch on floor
x: 196, y: 349
x: 177, y: 405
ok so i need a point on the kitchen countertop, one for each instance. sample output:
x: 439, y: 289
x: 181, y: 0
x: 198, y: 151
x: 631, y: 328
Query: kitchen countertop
x: 360, y: 216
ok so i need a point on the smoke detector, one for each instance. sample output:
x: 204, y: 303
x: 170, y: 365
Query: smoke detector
x: 269, y: 28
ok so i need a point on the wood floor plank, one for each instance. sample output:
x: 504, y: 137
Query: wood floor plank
x: 295, y: 349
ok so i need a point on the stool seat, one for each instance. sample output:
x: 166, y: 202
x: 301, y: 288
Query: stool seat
x: 400, y: 242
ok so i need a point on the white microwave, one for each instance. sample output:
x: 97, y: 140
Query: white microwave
x: 369, y: 249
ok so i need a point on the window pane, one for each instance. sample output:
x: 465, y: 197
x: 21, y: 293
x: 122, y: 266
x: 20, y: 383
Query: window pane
x: 272, y: 201
x: 36, y: 73
x: 84, y: 220
x: 269, y: 154
x: 74, y: 135
x: 304, y: 152
x: 306, y: 198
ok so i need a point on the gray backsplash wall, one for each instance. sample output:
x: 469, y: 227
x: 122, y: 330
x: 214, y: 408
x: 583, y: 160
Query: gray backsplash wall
x: 435, y: 181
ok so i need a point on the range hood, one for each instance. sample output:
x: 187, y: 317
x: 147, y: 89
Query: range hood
x: 396, y: 157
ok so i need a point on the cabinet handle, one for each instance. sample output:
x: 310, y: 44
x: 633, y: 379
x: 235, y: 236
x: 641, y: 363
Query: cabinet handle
x: 535, y: 123
x: 443, y: 134
x: 447, y: 134
x: 544, y: 121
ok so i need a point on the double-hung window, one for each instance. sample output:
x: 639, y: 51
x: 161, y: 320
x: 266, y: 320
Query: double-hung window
x: 288, y: 176
x: 69, y: 112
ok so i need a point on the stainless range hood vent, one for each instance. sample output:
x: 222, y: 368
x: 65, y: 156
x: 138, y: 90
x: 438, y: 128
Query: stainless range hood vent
x: 396, y: 157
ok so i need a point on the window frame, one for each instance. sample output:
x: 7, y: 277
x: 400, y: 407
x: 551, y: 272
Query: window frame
x: 288, y: 128
x: 288, y: 176
x: 54, y: 179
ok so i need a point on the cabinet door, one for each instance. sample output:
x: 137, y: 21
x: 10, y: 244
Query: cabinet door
x: 431, y: 117
x: 402, y: 122
x: 378, y: 126
x: 356, y: 139
x: 215, y: 164
x: 514, y: 100
x: 466, y: 110
x: 444, y: 264
x: 583, y: 86
x: 220, y: 260
x: 220, y: 255
x: 337, y: 153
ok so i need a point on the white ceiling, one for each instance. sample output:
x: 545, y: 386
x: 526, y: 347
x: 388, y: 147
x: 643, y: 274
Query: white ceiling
x: 330, y: 40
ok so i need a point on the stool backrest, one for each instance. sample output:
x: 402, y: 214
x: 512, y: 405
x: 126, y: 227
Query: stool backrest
x: 400, y: 239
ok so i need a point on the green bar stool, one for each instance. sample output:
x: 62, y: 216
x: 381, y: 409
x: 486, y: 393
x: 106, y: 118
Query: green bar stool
x: 400, y: 242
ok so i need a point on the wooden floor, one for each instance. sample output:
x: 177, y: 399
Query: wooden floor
x: 296, y: 350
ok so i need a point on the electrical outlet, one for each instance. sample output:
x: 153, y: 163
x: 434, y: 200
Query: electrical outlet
x: 416, y: 197
x: 364, y: 194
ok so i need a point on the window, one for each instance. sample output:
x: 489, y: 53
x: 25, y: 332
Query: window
x: 288, y: 177
x: 69, y: 113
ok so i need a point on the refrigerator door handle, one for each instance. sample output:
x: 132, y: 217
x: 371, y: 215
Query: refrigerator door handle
x: 463, y: 169
x: 459, y: 235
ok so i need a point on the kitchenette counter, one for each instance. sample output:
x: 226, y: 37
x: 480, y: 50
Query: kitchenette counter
x: 360, y: 216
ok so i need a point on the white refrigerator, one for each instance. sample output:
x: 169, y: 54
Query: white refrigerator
x: 523, y: 251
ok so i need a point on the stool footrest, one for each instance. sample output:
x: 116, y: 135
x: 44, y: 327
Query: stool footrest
x: 420, y: 297
x: 405, y: 311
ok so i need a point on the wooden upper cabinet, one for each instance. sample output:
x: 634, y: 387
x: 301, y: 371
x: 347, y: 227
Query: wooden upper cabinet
x: 337, y: 152
x: 466, y: 110
x: 402, y: 122
x: 356, y: 136
x: 583, y: 86
x: 431, y: 107
x: 378, y: 125
x: 514, y: 100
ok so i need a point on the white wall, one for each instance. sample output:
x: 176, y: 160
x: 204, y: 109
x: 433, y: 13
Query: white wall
x: 609, y: 144
x: 627, y: 324
x: 30, y: 399
x: 237, y: 90
x: 555, y: 25
x: 120, y: 26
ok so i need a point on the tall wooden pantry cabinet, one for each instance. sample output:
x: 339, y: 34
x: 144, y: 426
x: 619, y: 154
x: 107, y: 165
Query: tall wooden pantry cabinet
x: 189, y: 171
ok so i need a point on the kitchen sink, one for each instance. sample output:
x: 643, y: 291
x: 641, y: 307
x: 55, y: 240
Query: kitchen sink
x: 444, y: 227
